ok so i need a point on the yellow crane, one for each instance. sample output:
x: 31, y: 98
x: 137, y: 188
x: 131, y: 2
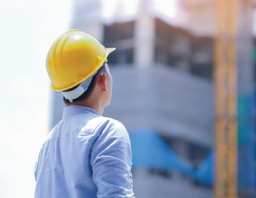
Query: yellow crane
x: 226, y: 99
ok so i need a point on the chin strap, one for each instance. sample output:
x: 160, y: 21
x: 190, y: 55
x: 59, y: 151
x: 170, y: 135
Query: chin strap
x: 71, y: 95
x: 77, y: 92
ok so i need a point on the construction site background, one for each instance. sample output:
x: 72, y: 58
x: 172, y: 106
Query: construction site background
x: 165, y: 92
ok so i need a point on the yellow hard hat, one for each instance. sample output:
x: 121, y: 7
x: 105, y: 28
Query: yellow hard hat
x: 73, y: 58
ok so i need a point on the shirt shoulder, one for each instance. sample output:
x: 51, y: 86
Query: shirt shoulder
x: 115, y: 123
x: 102, y: 122
x: 49, y: 136
x: 111, y: 128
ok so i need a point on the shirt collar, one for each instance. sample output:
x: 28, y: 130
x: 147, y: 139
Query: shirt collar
x: 76, y: 109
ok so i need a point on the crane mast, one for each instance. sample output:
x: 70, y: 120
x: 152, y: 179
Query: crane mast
x: 226, y: 100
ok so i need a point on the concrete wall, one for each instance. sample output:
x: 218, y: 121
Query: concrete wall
x: 168, y: 100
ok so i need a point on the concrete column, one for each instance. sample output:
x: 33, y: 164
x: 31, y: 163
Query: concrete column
x: 144, y: 41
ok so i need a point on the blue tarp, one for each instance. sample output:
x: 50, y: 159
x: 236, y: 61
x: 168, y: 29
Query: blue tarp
x: 150, y: 150
x: 205, y: 172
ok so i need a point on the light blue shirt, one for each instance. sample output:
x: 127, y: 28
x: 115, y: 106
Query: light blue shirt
x: 86, y: 155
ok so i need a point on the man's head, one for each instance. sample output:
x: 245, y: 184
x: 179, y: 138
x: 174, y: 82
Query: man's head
x: 98, y: 91
x: 76, y: 64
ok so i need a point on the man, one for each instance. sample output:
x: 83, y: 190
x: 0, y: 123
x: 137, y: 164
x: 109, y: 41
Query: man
x: 86, y: 155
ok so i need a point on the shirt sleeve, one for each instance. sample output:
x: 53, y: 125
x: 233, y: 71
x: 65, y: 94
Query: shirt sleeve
x: 111, y: 162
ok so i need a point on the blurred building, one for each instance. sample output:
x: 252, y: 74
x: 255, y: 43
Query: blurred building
x: 162, y: 72
x: 202, y: 17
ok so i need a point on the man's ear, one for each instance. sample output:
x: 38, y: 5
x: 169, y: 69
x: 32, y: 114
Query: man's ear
x: 102, y: 81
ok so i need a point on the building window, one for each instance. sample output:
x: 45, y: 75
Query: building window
x: 172, y: 45
x: 121, y: 36
x: 197, y: 153
x: 121, y: 57
x: 189, y: 151
x: 178, y: 48
x: 202, y: 57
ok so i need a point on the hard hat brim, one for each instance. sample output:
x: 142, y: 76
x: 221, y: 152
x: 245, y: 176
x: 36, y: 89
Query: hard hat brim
x: 109, y: 50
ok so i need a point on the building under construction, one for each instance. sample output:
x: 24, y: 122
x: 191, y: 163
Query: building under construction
x: 163, y: 91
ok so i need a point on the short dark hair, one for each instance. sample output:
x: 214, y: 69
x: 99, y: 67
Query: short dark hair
x: 90, y: 89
